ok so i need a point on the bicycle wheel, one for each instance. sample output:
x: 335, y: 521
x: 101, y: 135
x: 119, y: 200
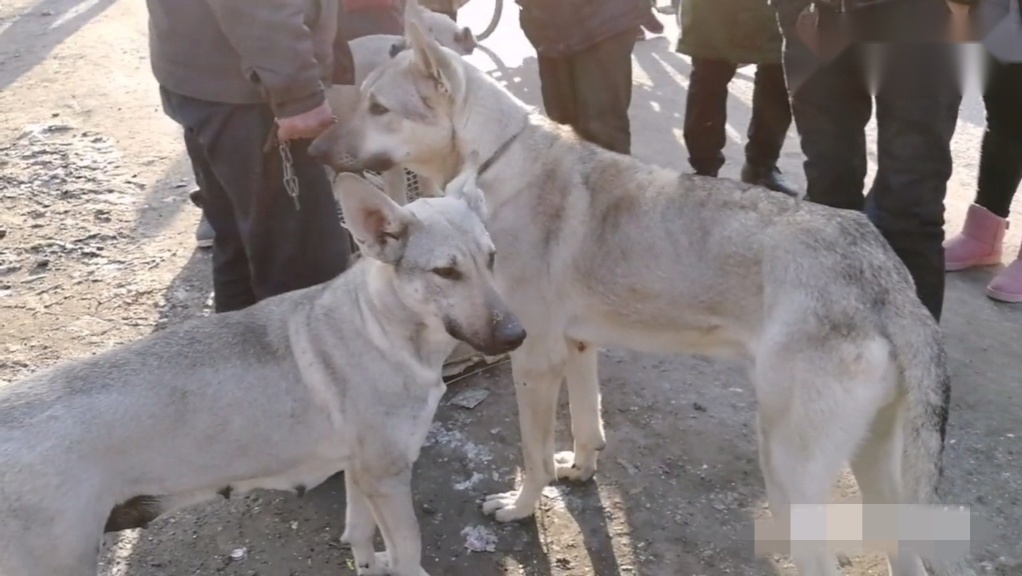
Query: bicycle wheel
x: 498, y: 9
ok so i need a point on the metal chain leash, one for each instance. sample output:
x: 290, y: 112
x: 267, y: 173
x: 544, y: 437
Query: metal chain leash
x: 290, y: 179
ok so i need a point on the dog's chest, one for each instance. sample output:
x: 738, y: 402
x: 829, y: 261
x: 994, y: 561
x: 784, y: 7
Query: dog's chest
x: 416, y: 425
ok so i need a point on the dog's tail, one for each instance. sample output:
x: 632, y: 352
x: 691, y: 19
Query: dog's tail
x: 927, y: 386
x: 919, y: 349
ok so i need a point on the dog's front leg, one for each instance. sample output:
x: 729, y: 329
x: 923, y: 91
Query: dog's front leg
x: 581, y: 374
x: 391, y: 501
x: 536, y: 392
x: 359, y: 529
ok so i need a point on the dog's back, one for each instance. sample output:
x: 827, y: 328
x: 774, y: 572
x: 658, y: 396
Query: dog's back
x: 62, y: 429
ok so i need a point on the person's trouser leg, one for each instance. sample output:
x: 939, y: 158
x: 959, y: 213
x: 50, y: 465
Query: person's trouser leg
x: 232, y: 281
x: 771, y: 117
x: 831, y: 105
x: 918, y: 96
x: 286, y: 248
x: 706, y: 114
x: 557, y: 87
x: 204, y: 232
x: 602, y: 77
x: 1000, y: 164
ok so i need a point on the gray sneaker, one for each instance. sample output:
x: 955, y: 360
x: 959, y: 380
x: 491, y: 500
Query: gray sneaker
x: 204, y: 234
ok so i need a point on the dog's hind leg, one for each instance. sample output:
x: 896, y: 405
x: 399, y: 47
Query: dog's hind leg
x: 582, y: 377
x: 877, y: 469
x: 360, y: 528
x: 537, y: 386
x: 816, y: 404
x: 53, y: 549
x: 796, y: 481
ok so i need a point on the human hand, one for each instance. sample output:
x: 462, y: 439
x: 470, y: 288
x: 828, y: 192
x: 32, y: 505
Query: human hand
x: 306, y: 125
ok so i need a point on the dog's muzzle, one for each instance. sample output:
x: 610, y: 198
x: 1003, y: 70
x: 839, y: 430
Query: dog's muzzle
x: 508, y: 335
x: 505, y: 335
x: 338, y: 163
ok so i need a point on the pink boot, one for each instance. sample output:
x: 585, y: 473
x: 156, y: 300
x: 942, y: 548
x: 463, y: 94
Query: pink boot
x: 979, y: 242
x: 1007, y: 286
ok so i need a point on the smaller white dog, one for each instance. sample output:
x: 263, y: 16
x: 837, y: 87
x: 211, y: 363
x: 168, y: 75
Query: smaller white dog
x: 345, y: 375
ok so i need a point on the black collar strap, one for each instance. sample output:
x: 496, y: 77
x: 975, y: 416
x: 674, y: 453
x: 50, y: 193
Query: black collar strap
x: 397, y: 48
x: 500, y: 152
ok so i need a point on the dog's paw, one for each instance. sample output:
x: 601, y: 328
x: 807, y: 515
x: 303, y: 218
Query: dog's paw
x: 505, y: 507
x: 574, y: 467
x: 378, y: 566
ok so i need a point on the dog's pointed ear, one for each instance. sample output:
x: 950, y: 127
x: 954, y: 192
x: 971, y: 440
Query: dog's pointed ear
x: 465, y: 186
x: 378, y: 224
x: 413, y: 13
x: 431, y: 58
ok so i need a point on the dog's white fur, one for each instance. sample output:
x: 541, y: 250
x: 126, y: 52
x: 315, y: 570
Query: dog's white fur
x: 601, y: 249
x: 281, y: 395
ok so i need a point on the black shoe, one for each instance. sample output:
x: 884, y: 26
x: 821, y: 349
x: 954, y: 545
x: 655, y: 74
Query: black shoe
x: 652, y: 24
x: 196, y: 197
x: 769, y: 178
x: 204, y: 233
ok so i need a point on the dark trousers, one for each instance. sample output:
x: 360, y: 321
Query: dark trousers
x: 706, y: 115
x: 917, y: 92
x: 263, y: 245
x: 591, y: 91
x: 1000, y: 164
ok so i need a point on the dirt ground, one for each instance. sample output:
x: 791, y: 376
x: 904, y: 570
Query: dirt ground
x: 96, y: 249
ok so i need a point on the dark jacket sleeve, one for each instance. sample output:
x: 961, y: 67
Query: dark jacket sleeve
x: 276, y: 49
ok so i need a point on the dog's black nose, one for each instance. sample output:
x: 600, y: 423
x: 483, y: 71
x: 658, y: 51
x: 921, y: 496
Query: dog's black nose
x: 509, y: 334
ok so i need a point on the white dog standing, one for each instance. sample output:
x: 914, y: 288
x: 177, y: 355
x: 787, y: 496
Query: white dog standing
x: 280, y: 395
x: 600, y: 249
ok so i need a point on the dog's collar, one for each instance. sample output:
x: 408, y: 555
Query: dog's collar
x: 398, y: 47
x: 489, y: 162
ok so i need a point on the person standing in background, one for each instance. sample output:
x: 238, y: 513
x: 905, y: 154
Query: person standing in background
x: 840, y: 55
x: 981, y: 240
x: 584, y: 51
x: 719, y: 36
x: 360, y: 18
x: 234, y: 74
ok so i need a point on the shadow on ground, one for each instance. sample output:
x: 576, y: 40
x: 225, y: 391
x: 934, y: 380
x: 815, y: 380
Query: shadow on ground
x: 22, y: 48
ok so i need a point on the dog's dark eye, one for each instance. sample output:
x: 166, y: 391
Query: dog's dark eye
x: 492, y: 260
x: 377, y: 109
x: 448, y: 273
